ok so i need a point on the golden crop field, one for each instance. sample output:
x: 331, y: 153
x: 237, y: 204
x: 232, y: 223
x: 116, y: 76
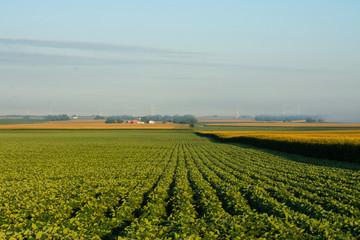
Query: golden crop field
x: 285, y: 124
x: 325, y: 137
x: 341, y: 145
x: 93, y: 124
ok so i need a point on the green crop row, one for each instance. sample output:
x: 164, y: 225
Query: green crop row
x: 169, y: 184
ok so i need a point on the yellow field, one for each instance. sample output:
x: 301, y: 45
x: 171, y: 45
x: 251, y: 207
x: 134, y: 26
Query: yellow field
x: 285, y: 124
x: 93, y: 124
x: 323, y: 137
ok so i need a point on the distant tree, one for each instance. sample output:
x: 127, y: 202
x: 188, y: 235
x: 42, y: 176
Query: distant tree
x: 288, y: 118
x: 62, y: 117
x: 186, y: 119
x: 145, y: 119
x: 114, y: 120
x: 110, y: 120
x: 314, y: 120
x: 98, y: 117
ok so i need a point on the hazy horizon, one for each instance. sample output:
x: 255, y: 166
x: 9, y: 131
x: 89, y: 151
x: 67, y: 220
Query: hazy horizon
x: 188, y: 57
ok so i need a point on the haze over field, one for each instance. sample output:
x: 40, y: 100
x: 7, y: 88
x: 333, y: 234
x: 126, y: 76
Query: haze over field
x: 186, y: 57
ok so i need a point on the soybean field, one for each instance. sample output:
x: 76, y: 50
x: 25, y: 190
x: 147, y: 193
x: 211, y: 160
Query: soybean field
x: 168, y: 184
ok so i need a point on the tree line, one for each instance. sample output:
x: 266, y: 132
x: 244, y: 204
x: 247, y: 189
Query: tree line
x: 289, y: 118
x: 185, y: 119
x: 62, y: 117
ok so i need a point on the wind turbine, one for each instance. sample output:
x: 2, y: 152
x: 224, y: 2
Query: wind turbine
x: 152, y: 109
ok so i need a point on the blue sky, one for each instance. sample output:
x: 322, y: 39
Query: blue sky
x: 197, y: 57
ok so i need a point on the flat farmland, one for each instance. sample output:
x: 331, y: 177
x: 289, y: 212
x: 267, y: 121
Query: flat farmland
x: 287, y: 124
x: 339, y: 145
x: 275, y: 126
x: 13, y: 121
x: 168, y: 184
x: 321, y: 137
x: 92, y: 124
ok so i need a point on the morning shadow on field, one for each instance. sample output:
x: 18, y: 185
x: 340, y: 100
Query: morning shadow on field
x: 293, y: 157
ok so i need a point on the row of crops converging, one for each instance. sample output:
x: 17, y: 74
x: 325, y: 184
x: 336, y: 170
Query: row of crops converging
x: 168, y: 185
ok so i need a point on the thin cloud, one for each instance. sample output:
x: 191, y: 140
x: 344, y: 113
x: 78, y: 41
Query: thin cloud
x: 105, y: 47
x: 25, y: 58
x: 31, y: 58
x: 30, y: 51
x: 122, y: 54
x: 11, y: 58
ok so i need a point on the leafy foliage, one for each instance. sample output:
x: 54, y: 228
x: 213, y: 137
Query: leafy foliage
x: 62, y: 117
x: 288, y: 118
x: 169, y: 184
x: 186, y: 119
x: 98, y: 117
x: 114, y: 120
